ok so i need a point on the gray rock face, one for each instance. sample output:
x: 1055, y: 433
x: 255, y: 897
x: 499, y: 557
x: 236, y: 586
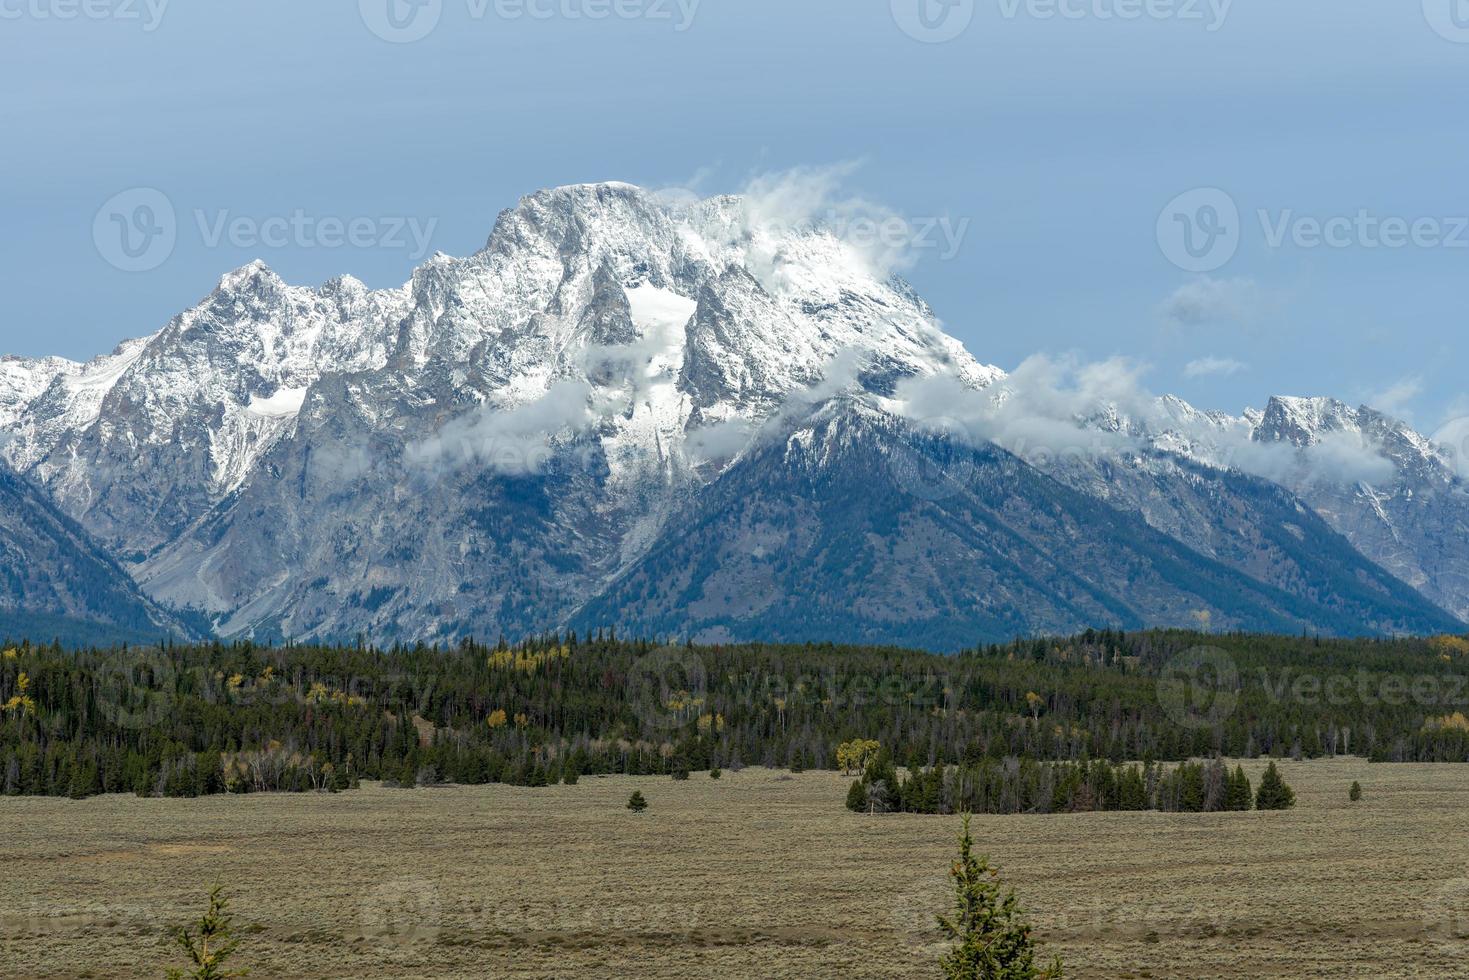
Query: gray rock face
x: 56, y: 581
x: 856, y: 529
x: 1414, y: 521
x: 504, y: 443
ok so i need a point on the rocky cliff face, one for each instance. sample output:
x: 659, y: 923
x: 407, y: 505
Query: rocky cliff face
x: 1412, y: 519
x: 56, y: 582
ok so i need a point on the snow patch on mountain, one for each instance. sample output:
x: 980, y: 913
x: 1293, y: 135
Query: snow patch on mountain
x: 284, y: 403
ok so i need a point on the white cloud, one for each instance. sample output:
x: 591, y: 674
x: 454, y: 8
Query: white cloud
x: 1056, y: 408
x: 1452, y: 439
x: 803, y: 196
x: 1349, y: 457
x: 718, y: 441
x: 1396, y: 398
x: 514, y: 441
x: 1039, y: 411
x: 1207, y: 300
x: 877, y: 239
x: 1458, y: 409
x: 1205, y: 367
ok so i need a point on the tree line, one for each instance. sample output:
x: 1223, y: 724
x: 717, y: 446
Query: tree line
x: 187, y: 720
x: 1023, y: 785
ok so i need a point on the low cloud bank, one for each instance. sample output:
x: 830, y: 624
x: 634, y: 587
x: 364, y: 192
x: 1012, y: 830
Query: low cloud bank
x: 516, y: 441
x: 1053, y: 409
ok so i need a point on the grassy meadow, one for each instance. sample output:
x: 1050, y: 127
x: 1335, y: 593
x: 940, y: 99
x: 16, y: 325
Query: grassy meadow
x: 761, y: 873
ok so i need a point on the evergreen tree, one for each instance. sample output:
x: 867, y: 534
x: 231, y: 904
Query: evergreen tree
x: 251, y: 718
x: 1238, y: 794
x: 1132, y: 791
x: 991, y: 937
x: 715, y: 773
x: 636, y: 803
x: 857, y: 797
x: 1274, y: 794
x: 209, y: 944
x: 1356, y: 791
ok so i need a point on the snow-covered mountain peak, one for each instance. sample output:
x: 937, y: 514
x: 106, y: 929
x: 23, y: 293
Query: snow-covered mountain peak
x: 502, y: 435
x: 22, y: 380
x: 254, y: 272
x: 1302, y: 421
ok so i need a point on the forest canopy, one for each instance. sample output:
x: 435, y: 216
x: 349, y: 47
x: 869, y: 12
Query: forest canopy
x: 197, y: 719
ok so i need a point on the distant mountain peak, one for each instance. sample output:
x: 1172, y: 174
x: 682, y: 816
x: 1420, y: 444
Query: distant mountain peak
x: 498, y: 442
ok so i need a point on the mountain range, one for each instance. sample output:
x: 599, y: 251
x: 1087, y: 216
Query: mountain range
x: 681, y: 417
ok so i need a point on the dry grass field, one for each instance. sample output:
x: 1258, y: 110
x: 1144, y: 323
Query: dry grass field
x: 760, y: 874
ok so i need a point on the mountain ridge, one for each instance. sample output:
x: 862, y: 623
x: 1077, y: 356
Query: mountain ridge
x: 494, y: 444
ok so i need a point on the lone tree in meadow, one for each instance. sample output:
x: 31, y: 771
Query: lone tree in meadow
x: 1274, y: 794
x: 1356, y: 792
x: 636, y: 803
x: 209, y: 943
x: 988, y: 928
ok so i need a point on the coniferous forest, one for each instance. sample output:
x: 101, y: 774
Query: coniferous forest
x: 1003, y: 726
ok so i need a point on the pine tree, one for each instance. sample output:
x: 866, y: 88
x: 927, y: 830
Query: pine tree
x: 211, y: 945
x: 636, y: 803
x: 1132, y: 792
x: 857, y: 797
x: 1274, y: 794
x: 1356, y: 792
x: 1238, y: 794
x: 715, y: 773
x: 992, y: 939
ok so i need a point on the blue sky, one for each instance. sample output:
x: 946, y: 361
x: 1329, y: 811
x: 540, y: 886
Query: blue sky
x: 1061, y: 140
